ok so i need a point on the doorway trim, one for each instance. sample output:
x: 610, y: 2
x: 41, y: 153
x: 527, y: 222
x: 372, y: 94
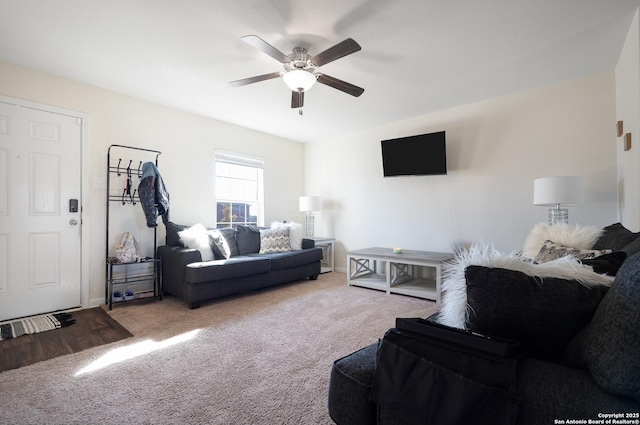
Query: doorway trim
x: 84, y: 222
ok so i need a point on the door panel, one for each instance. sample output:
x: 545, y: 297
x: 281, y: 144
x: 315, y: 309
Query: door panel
x: 40, y: 249
x: 46, y: 258
x: 44, y: 185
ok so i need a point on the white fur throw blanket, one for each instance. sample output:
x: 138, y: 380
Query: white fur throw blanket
x: 455, y: 310
x: 572, y: 235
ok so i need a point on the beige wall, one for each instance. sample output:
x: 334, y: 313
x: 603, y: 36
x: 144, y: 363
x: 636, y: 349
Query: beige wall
x: 628, y: 111
x: 187, y: 143
x: 495, y: 150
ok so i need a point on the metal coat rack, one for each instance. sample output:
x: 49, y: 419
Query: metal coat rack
x: 131, y: 196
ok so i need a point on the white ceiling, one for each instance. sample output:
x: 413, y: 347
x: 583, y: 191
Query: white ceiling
x: 418, y: 56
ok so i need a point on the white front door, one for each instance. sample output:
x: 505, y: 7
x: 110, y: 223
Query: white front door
x: 40, y: 233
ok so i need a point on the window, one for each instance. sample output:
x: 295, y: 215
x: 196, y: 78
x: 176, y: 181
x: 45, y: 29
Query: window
x: 239, y: 189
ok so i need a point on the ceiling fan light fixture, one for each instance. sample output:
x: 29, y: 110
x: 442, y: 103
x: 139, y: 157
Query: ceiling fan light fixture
x: 299, y: 80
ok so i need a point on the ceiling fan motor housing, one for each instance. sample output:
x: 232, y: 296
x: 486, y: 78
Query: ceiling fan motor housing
x: 300, y: 60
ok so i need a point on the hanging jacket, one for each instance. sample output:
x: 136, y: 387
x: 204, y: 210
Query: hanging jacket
x: 154, y: 196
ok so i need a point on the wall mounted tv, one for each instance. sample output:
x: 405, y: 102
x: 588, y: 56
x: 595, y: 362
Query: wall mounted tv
x: 420, y: 155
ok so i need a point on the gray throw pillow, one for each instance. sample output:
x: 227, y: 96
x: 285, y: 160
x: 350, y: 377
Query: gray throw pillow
x: 223, y: 243
x: 552, y: 251
x: 248, y: 239
x: 274, y: 240
x: 609, y: 345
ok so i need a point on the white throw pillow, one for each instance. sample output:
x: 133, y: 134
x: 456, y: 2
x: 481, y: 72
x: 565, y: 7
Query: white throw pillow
x: 296, y: 233
x: 571, y: 235
x: 196, y: 237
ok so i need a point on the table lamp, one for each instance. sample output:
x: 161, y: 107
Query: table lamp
x: 309, y: 204
x: 557, y: 192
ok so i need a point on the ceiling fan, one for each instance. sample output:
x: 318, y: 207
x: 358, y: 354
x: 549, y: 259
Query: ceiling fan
x: 300, y: 69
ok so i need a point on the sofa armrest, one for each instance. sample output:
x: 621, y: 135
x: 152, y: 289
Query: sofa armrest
x: 308, y: 243
x: 174, y: 263
x: 178, y: 254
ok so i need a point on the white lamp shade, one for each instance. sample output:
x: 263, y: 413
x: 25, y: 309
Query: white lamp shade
x: 564, y: 190
x: 310, y: 203
x: 299, y: 79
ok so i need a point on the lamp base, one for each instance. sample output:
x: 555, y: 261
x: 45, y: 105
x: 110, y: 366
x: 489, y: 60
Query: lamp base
x: 558, y: 216
x: 308, y: 225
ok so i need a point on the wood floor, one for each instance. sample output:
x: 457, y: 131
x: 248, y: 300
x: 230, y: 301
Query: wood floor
x: 93, y: 327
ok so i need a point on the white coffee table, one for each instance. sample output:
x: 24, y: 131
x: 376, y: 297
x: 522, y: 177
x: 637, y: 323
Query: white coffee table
x: 413, y: 273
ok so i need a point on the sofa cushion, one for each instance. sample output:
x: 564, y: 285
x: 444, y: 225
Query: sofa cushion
x: 223, y: 243
x: 610, y: 343
x: 615, y: 237
x: 226, y: 269
x: 287, y: 260
x: 543, y: 313
x: 248, y: 239
x: 172, y: 238
x: 551, y: 251
x: 455, y: 309
x: 551, y: 390
x: 274, y: 240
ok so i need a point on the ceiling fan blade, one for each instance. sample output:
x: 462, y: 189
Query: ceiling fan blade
x: 341, y: 49
x: 265, y: 47
x: 297, y: 99
x: 340, y: 85
x: 250, y: 80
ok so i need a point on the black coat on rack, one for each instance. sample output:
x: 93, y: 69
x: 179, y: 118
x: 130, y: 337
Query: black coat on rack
x: 154, y: 196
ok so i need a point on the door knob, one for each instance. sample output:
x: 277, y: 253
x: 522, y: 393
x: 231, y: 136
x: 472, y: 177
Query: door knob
x: 73, y: 222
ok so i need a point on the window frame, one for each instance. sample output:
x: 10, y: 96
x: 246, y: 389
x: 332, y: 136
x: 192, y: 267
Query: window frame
x: 243, y: 160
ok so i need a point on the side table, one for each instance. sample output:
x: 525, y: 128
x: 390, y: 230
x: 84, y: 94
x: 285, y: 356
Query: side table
x: 326, y: 244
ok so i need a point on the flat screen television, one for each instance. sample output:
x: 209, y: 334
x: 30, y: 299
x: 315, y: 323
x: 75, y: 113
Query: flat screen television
x: 420, y: 155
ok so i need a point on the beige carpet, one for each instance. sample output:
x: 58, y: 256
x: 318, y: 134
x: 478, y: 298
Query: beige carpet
x: 261, y: 358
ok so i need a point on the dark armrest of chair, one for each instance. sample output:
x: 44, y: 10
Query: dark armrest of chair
x: 308, y: 243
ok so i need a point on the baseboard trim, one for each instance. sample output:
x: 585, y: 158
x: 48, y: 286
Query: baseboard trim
x: 96, y: 302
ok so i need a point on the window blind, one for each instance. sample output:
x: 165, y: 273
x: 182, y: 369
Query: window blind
x: 239, y: 159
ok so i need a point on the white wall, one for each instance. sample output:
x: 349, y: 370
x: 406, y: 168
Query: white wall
x: 628, y: 111
x: 495, y: 149
x: 187, y: 143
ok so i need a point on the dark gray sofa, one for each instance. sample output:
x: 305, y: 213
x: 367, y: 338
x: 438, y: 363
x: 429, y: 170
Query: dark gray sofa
x: 185, y: 275
x: 596, y: 376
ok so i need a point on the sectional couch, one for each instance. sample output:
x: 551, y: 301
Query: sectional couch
x: 243, y: 259
x: 578, y: 333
